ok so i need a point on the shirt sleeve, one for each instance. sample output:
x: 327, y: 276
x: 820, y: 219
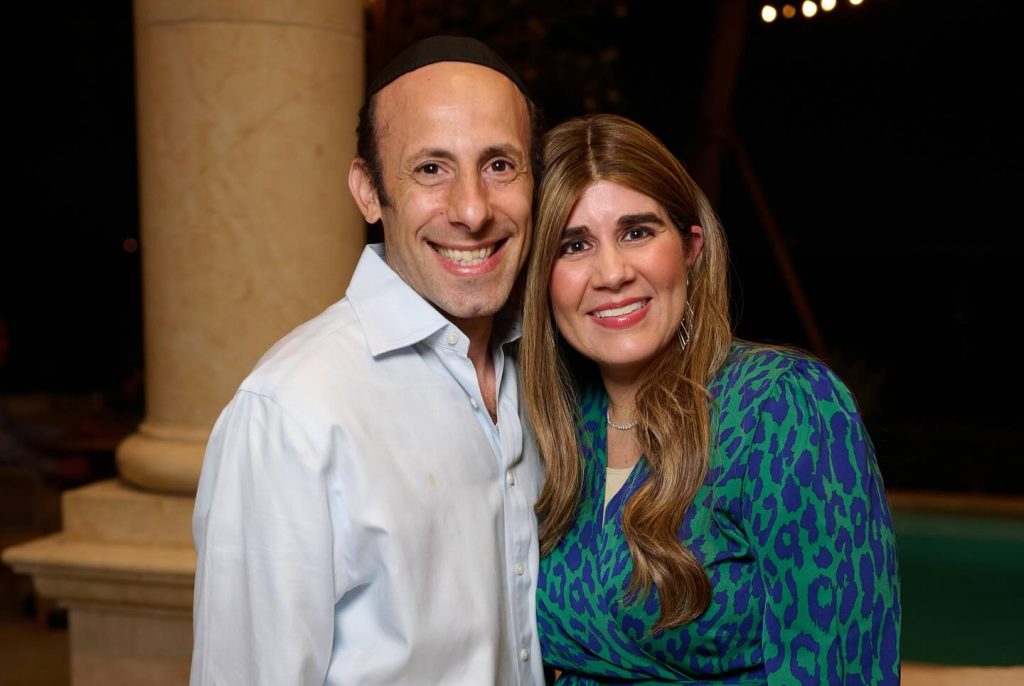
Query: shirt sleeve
x: 822, y: 533
x: 265, y: 573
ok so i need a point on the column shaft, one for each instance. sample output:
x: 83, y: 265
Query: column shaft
x: 247, y: 116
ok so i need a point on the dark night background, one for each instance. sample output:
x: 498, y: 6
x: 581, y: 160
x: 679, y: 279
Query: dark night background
x: 884, y: 136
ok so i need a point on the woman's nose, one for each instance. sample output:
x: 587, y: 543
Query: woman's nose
x: 612, y: 268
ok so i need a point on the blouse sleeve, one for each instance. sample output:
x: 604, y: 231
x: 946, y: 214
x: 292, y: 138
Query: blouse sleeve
x: 821, y: 531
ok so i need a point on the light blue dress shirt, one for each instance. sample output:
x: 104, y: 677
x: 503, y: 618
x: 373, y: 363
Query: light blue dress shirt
x: 360, y: 519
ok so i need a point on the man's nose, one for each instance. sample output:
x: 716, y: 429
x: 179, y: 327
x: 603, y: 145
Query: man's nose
x: 469, y: 202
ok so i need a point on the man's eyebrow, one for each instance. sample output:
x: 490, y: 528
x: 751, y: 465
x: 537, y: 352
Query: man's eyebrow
x: 437, y: 153
x: 507, y: 150
x: 487, y: 153
x: 642, y: 218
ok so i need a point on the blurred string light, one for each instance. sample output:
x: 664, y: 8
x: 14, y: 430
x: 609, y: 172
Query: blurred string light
x: 808, y: 8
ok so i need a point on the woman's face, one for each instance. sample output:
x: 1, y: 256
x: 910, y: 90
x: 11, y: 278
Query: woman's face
x: 618, y: 285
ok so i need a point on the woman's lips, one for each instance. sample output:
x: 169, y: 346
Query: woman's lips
x: 620, y: 315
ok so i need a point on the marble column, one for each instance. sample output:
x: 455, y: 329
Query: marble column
x: 246, y: 113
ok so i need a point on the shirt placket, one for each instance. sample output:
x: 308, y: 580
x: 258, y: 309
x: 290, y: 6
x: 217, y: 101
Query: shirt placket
x: 517, y: 530
x: 507, y: 439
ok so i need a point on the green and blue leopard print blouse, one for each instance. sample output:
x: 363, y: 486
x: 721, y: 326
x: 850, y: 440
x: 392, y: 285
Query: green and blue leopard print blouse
x: 791, y: 526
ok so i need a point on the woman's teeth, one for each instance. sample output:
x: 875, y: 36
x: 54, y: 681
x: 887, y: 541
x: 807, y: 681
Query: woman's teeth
x: 620, y: 311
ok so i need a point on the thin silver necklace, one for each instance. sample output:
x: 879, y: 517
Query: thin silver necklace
x: 620, y: 427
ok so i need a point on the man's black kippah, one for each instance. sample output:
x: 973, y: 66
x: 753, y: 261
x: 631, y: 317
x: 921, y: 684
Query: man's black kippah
x: 442, y: 49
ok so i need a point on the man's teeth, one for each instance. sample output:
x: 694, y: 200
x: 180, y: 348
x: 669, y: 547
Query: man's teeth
x: 619, y: 311
x: 467, y: 257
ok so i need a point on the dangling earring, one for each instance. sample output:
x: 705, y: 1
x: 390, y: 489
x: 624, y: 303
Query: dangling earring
x: 686, y: 326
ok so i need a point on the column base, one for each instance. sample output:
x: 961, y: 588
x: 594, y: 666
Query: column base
x: 163, y: 458
x: 124, y: 567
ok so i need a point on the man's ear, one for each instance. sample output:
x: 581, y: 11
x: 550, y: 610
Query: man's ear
x: 363, y: 191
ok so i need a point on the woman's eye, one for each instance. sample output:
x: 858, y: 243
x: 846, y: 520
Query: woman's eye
x: 500, y: 166
x: 572, y: 247
x: 637, y: 232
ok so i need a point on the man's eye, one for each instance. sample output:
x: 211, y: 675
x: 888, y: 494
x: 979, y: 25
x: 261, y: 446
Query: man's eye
x: 430, y: 168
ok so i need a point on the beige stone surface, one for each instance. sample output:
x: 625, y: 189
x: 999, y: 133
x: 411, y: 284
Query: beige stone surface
x: 57, y: 554
x: 244, y: 151
x: 151, y: 457
x: 247, y: 113
x: 118, y: 545
x: 124, y: 567
x: 112, y: 511
x: 127, y: 577
x: 344, y: 17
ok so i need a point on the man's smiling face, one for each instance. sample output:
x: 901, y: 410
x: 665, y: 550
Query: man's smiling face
x: 454, y: 141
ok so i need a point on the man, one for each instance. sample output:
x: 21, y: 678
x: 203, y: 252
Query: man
x: 365, y: 512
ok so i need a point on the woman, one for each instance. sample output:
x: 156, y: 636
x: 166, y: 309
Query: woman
x: 718, y: 515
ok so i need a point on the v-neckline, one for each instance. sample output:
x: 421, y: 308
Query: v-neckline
x: 607, y: 514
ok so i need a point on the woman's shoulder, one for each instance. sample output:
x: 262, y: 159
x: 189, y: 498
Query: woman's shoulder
x: 756, y: 373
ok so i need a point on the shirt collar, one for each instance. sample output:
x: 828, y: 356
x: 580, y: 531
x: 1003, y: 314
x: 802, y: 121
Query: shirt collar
x: 394, y: 316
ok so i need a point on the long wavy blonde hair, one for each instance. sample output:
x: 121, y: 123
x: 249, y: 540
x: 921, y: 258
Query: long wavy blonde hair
x: 672, y: 399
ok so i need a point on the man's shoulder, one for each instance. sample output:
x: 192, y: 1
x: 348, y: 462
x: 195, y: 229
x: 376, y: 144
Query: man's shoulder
x: 317, y: 349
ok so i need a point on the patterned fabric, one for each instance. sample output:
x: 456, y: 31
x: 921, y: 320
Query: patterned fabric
x: 791, y: 526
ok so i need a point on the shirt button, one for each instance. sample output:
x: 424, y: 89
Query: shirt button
x: 510, y: 479
x: 524, y: 654
x: 519, y: 570
x: 453, y: 338
x: 474, y: 403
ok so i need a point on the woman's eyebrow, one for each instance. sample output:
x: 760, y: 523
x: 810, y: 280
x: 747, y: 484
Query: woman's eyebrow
x: 642, y: 218
x: 575, y: 232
